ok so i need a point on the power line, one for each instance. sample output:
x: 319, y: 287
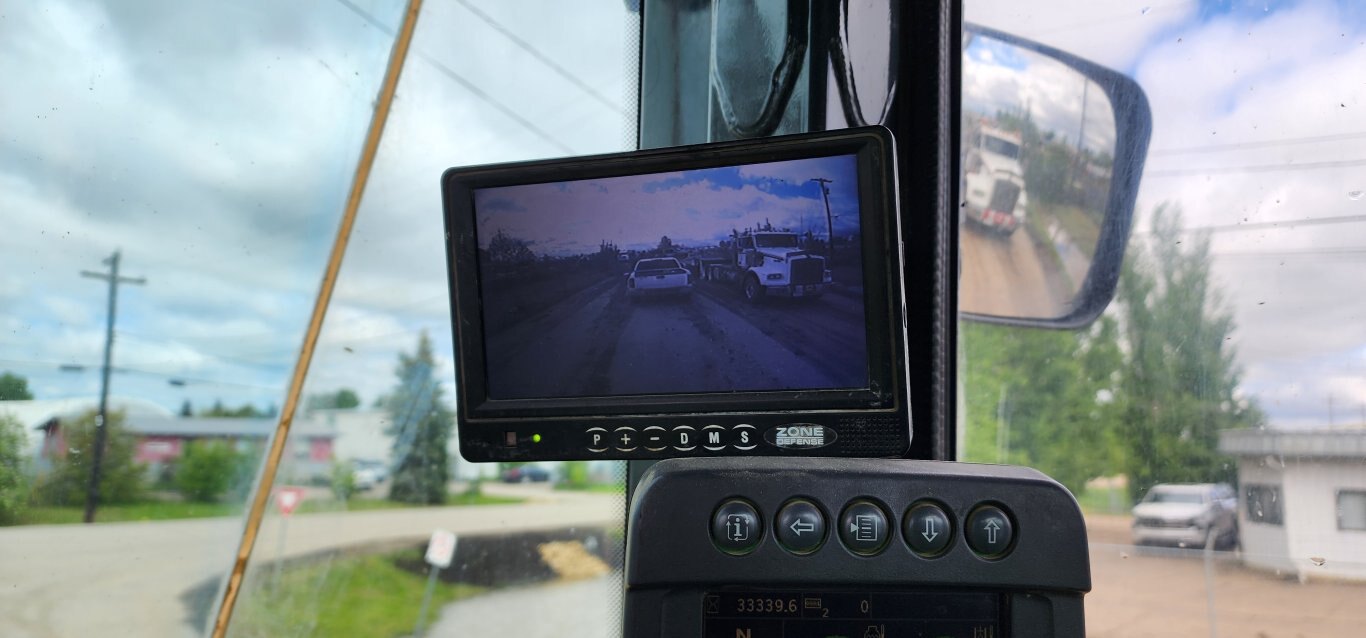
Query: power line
x: 1260, y: 168
x: 1289, y: 141
x: 469, y: 86
x: 1280, y: 225
x: 78, y: 367
x: 526, y: 46
x: 1333, y: 251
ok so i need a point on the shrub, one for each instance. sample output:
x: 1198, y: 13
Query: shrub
x: 121, y: 478
x: 343, y: 481
x: 208, y: 469
x: 13, y: 484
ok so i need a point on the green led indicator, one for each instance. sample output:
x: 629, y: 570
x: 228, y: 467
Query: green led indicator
x: 535, y: 438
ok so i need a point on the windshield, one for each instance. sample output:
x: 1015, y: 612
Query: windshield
x: 657, y: 264
x: 173, y: 181
x: 1000, y: 147
x: 776, y: 241
x: 1164, y: 496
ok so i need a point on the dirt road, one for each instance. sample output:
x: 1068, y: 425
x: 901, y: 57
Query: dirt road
x: 598, y: 342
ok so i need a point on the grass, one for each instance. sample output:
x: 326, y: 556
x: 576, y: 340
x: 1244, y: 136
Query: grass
x: 1080, y: 226
x: 341, y: 596
x: 171, y: 510
x: 604, y: 488
x: 149, y: 511
x: 1097, y: 500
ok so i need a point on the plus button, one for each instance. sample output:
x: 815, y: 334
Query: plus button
x: 624, y: 439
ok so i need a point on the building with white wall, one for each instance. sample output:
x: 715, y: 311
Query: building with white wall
x: 1302, y: 500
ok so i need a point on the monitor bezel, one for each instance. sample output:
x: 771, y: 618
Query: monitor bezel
x: 887, y: 390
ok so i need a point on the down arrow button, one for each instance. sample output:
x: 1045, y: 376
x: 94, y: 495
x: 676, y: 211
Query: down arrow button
x: 927, y: 529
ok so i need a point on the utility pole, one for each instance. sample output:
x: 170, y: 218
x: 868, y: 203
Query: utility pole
x: 92, y: 495
x: 829, y: 223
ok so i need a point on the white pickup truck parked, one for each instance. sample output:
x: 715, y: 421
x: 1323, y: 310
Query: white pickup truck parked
x: 658, y: 276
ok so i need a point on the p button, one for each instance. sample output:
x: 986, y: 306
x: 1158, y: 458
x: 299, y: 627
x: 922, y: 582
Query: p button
x: 597, y: 439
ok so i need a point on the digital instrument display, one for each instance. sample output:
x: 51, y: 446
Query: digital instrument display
x: 825, y: 614
x: 741, y: 298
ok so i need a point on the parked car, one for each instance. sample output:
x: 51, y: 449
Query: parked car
x: 526, y: 474
x: 660, y: 276
x: 1187, y: 515
x: 367, y: 473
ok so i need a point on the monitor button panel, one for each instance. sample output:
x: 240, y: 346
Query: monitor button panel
x: 758, y: 534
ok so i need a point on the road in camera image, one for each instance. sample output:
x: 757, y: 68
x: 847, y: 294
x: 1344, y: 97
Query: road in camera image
x: 598, y: 342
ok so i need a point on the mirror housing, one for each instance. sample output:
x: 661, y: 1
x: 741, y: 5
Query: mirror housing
x: 1009, y: 294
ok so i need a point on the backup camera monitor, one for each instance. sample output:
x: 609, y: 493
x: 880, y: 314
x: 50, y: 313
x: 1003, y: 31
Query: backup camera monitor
x: 724, y: 299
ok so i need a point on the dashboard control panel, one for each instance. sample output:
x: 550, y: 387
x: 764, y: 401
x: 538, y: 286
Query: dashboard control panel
x: 855, y: 547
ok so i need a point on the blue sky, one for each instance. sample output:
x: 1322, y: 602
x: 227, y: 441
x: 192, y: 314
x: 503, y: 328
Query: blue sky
x: 693, y: 208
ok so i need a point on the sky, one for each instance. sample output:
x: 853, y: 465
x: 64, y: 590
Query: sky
x: 999, y: 76
x: 694, y: 209
x: 214, y: 144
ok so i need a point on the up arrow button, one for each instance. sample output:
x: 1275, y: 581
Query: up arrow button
x: 990, y: 532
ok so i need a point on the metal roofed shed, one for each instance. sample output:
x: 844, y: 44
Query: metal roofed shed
x: 1302, y: 500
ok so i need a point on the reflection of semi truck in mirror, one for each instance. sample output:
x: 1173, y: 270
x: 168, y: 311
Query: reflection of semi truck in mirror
x: 766, y: 263
x: 993, y: 178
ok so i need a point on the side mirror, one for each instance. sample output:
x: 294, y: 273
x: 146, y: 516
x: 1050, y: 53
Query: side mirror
x: 1052, y: 150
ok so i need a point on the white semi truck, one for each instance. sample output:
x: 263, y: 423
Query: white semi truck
x: 768, y: 264
x: 993, y: 179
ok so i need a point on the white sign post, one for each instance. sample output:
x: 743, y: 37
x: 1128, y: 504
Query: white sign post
x: 287, y: 498
x: 440, y: 551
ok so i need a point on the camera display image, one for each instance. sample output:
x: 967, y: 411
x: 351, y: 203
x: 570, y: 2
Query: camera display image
x: 726, y: 279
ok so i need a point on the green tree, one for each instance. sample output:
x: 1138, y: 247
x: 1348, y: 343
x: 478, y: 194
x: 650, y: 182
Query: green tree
x: 186, y: 409
x: 1178, y: 387
x: 344, y: 398
x: 209, y: 469
x: 1041, y: 398
x: 245, y: 411
x: 14, y: 388
x: 421, y: 425
x: 121, y: 477
x: 343, y: 480
x: 13, y: 483
x: 506, y: 249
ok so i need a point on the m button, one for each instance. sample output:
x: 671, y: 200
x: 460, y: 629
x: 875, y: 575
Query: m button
x: 714, y: 438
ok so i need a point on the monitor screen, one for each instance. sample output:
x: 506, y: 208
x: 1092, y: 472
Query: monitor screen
x: 732, y: 298
x: 636, y: 284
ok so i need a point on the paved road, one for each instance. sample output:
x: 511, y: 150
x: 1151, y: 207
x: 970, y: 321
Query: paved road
x: 1146, y: 592
x: 127, y: 579
x: 598, y: 342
